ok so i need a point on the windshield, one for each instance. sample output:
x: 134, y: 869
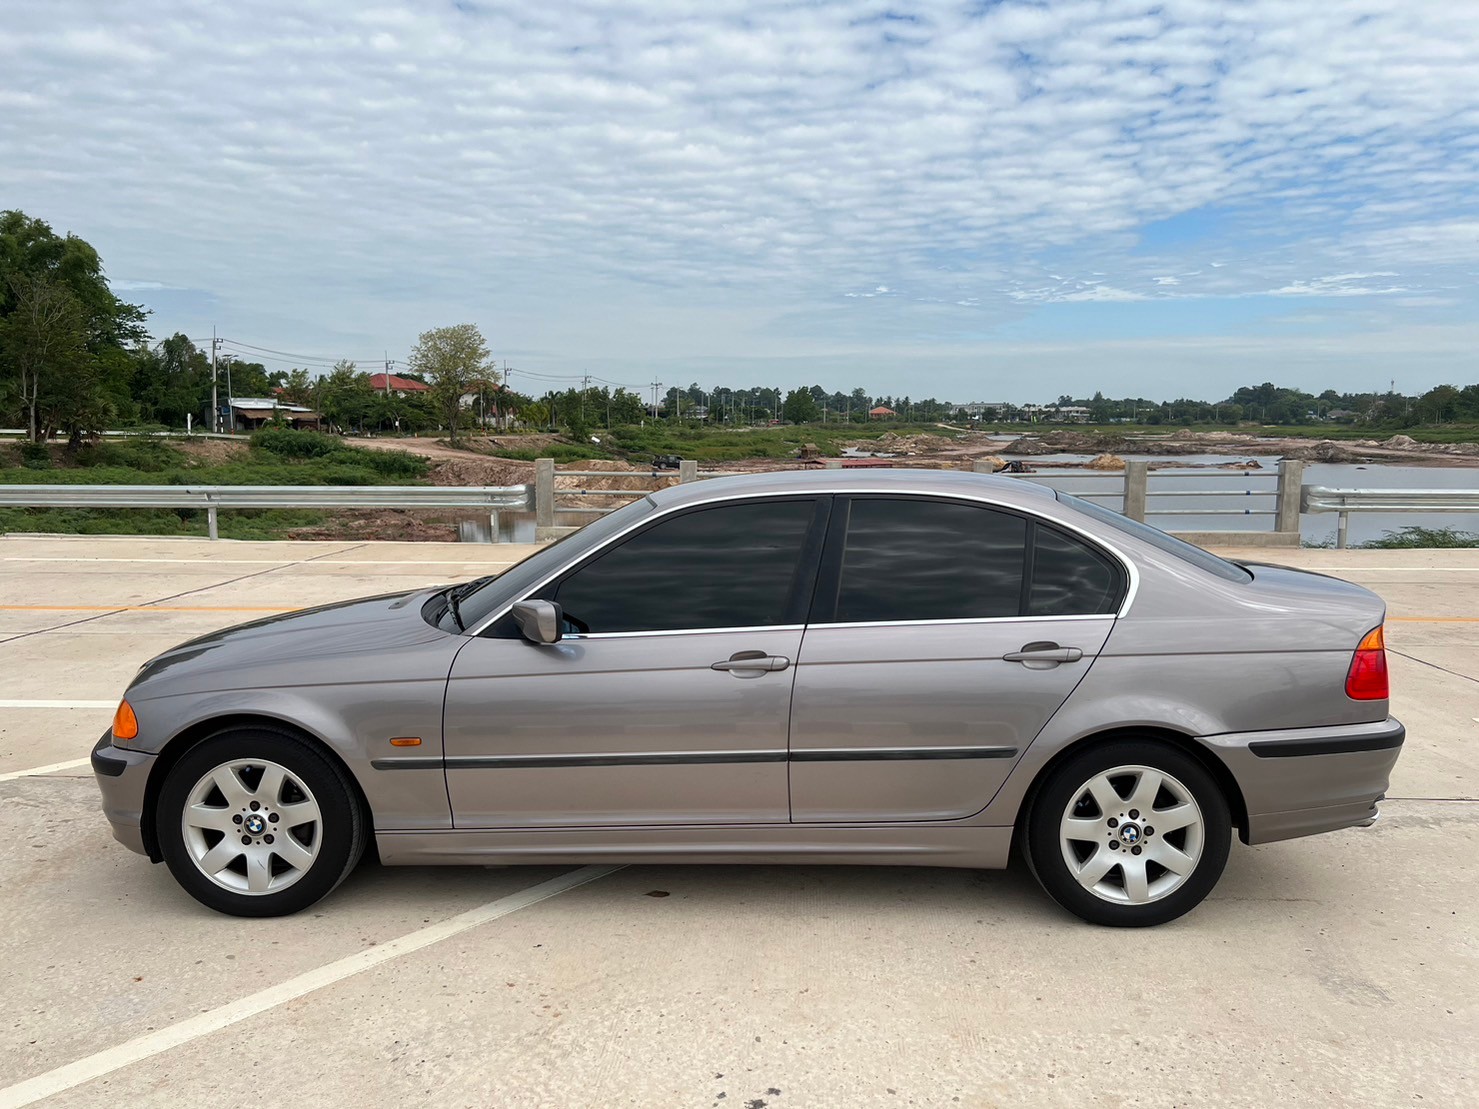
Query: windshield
x: 1187, y: 552
x: 485, y: 599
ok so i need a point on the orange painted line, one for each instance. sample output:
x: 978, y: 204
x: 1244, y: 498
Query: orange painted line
x: 1433, y: 619
x: 145, y: 608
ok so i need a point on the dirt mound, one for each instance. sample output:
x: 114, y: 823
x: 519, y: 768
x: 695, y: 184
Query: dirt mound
x: 469, y: 469
x: 1026, y: 445
x: 894, y: 443
x: 1401, y: 442
x: 211, y: 452
x: 1105, y: 461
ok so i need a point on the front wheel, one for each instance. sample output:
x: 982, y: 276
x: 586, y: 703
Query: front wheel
x: 254, y: 822
x: 1129, y: 834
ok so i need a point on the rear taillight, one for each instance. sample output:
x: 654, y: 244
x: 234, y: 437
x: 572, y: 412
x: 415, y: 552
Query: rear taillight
x: 1367, y: 678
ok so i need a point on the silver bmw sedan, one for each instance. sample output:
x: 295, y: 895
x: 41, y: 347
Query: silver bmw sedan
x: 906, y: 667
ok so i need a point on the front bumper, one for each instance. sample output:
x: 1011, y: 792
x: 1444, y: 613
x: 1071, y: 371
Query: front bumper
x: 1302, y: 781
x: 122, y: 777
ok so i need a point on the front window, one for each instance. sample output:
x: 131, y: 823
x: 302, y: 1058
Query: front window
x: 730, y: 566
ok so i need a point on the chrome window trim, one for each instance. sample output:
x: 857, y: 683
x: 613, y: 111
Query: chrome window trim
x: 839, y: 624
x: 1132, y: 573
x: 686, y: 631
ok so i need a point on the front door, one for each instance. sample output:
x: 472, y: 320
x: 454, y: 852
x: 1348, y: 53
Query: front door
x: 945, y: 636
x: 667, y: 701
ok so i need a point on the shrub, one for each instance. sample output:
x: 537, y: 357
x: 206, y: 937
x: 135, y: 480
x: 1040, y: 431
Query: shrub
x: 287, y: 443
x: 385, y: 463
x: 35, y: 456
x: 152, y: 456
x: 1421, y: 537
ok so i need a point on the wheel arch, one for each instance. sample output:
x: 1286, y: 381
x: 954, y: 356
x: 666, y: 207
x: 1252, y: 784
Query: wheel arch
x: 192, y: 736
x: 1169, y: 737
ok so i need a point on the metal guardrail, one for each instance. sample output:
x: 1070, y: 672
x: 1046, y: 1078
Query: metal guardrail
x: 1317, y: 498
x: 212, y: 498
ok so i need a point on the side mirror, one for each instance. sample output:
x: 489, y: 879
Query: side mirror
x: 539, y: 621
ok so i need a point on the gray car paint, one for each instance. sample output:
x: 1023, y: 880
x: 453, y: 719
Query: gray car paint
x: 1206, y: 663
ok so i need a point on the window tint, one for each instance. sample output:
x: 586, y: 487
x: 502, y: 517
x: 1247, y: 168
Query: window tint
x: 726, y: 567
x: 1206, y: 560
x: 930, y: 560
x: 1069, y: 578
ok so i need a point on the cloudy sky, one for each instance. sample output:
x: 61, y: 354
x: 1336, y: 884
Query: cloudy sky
x: 966, y: 200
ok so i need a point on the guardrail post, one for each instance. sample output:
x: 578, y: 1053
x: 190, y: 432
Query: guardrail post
x: 687, y: 469
x: 1291, y: 474
x: 544, y: 492
x: 1137, y: 473
x: 1341, y: 530
x: 210, y: 522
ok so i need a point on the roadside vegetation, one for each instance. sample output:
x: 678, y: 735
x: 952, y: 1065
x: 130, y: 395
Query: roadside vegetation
x: 270, y: 457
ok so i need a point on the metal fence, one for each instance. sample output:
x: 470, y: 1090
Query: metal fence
x: 1138, y: 492
x: 213, y: 498
x: 1317, y: 498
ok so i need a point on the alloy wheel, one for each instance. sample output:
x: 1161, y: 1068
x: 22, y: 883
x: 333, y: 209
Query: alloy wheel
x: 252, y: 826
x: 1132, y: 835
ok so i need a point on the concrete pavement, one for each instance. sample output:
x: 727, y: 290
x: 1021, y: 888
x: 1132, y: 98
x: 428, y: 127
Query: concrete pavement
x: 1342, y: 969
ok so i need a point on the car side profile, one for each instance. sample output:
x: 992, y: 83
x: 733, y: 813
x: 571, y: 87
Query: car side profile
x: 886, y: 667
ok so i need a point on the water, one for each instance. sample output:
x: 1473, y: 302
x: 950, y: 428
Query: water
x: 1233, y: 487
x: 1238, y: 485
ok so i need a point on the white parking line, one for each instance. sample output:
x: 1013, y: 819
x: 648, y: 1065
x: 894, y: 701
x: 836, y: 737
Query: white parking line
x: 11, y: 775
x: 68, y: 1077
x: 58, y: 704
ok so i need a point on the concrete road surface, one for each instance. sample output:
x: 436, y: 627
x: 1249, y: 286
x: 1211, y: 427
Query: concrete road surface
x: 1338, y: 970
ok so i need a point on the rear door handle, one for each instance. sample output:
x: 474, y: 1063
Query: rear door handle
x: 757, y: 661
x: 1044, y: 652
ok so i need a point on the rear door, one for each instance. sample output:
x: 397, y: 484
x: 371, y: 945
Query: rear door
x: 944, y: 635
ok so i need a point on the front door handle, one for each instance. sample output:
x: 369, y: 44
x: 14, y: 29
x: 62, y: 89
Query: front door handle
x: 755, y: 661
x: 1044, y: 652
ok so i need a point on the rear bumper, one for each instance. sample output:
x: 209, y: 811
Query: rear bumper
x: 1302, y: 781
x: 122, y: 776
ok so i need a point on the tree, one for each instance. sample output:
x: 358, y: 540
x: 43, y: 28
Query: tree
x: 453, y: 360
x: 77, y: 378
x: 801, y: 407
x: 43, y: 340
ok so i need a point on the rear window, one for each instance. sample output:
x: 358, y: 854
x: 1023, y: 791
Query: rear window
x: 1187, y: 552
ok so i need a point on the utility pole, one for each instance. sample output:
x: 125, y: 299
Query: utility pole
x: 655, y: 384
x: 215, y: 401
x: 585, y: 385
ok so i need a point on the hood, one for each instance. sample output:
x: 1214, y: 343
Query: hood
x: 305, y: 647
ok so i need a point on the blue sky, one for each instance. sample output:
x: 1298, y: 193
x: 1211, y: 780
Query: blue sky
x: 963, y: 200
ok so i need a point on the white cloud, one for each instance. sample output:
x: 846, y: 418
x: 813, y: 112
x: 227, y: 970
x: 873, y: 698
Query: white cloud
x: 629, y: 182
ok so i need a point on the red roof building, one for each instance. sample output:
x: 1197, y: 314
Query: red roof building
x: 398, y: 384
x: 881, y: 413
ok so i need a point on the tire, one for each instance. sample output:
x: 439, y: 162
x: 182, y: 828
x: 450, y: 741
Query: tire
x: 255, y: 822
x: 1097, y: 849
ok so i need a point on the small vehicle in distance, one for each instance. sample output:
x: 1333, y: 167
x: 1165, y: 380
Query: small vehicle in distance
x: 892, y: 667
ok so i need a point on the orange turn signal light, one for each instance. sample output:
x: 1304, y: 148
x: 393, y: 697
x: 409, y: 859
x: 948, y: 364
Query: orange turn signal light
x: 406, y: 741
x: 1366, y: 680
x: 125, y: 723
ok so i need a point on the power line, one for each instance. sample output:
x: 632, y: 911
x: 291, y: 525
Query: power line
x: 290, y: 354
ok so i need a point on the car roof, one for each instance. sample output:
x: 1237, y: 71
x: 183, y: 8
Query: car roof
x: 871, y: 480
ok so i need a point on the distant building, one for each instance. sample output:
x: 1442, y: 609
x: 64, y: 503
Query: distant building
x: 397, y: 384
x: 881, y: 413
x: 250, y: 413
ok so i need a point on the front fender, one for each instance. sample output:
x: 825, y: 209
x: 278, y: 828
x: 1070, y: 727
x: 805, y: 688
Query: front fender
x: 354, y: 721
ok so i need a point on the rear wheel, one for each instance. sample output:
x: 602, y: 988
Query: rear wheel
x: 255, y: 822
x: 1129, y: 834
